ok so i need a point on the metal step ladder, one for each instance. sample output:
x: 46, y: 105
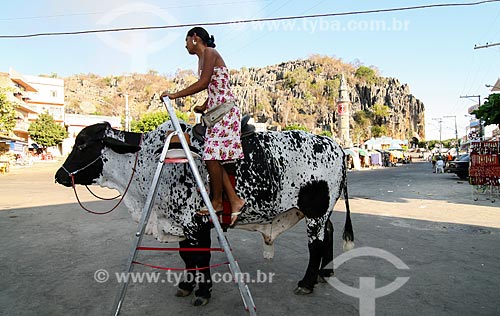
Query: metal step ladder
x: 148, y: 206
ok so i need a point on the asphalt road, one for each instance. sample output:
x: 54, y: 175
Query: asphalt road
x: 447, y: 245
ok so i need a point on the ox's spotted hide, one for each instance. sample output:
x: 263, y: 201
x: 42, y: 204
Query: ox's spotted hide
x: 276, y: 168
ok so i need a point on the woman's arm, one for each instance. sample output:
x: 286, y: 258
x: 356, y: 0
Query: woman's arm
x: 209, y: 58
x: 201, y: 108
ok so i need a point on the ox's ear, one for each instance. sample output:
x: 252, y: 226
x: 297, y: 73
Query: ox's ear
x: 119, y: 146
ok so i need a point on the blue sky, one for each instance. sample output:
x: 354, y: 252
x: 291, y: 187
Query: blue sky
x: 431, y: 50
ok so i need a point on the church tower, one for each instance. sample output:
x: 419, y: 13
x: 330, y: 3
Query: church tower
x: 343, y: 114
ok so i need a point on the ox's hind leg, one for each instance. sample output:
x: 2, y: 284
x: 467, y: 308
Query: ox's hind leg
x: 320, y: 255
x: 314, y: 202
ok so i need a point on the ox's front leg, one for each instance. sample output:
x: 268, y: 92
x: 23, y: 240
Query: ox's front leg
x: 197, y: 260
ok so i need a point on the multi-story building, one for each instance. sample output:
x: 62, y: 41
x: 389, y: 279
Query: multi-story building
x: 17, y: 89
x: 31, y: 96
x: 48, y: 97
x: 34, y: 95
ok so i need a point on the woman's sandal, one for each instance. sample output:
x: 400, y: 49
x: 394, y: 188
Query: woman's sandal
x: 235, y: 217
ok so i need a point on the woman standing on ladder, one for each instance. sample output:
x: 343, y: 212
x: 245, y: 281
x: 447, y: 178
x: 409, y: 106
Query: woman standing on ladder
x: 222, y: 140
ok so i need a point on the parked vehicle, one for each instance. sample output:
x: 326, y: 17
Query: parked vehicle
x: 459, y: 167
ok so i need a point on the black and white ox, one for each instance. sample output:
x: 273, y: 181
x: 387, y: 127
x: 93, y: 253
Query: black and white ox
x: 284, y: 177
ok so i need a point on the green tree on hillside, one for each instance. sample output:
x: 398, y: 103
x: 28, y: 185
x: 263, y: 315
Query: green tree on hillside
x: 150, y: 121
x: 296, y: 127
x: 326, y: 133
x: 361, y: 130
x: 46, y: 132
x: 7, y: 113
x: 295, y: 77
x: 379, y: 130
x: 331, y: 88
x: 381, y: 110
x: 380, y: 113
x: 367, y: 74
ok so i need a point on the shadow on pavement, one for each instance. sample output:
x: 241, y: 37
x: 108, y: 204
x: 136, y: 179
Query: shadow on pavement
x: 49, y: 255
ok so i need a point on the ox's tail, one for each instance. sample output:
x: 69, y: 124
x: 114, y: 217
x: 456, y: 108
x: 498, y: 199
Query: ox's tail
x: 348, y: 235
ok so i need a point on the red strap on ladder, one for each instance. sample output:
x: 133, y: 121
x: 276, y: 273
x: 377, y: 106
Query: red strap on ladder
x: 179, y: 249
x: 179, y: 269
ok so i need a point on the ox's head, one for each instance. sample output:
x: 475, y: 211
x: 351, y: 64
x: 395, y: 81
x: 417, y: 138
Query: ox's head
x: 85, y: 162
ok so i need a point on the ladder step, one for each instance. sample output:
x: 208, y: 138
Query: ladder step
x: 178, y: 156
x: 176, y: 160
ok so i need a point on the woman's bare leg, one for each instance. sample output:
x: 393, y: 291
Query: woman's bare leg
x: 219, y: 181
x: 236, y: 202
x: 234, y: 199
x: 215, y: 172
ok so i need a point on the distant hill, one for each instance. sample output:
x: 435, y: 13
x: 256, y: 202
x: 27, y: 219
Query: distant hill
x: 302, y: 92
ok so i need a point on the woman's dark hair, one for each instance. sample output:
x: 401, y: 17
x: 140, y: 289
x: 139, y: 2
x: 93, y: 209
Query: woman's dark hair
x: 203, y: 34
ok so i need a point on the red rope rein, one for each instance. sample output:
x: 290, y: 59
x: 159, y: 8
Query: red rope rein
x: 102, y: 198
x: 122, y: 196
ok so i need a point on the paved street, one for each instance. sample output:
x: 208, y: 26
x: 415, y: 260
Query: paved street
x: 51, y: 249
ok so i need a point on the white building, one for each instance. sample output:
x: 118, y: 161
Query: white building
x: 48, y: 97
x: 34, y: 95
x: 76, y: 122
x: 16, y: 89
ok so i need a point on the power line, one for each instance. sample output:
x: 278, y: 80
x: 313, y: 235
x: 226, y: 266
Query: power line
x: 474, y: 72
x: 251, y: 20
x: 197, y: 5
x: 486, y: 46
x: 231, y: 31
x: 265, y: 33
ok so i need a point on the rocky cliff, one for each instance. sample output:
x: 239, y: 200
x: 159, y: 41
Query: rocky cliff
x: 300, y: 92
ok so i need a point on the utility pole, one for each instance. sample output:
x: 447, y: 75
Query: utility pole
x: 480, y: 121
x: 456, y: 131
x: 440, y: 121
x: 127, y: 114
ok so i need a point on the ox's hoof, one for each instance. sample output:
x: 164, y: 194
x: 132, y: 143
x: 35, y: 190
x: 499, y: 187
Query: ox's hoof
x: 200, y: 301
x: 182, y: 293
x: 299, y: 290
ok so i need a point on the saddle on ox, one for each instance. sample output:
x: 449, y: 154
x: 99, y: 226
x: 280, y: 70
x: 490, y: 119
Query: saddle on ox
x: 175, y: 151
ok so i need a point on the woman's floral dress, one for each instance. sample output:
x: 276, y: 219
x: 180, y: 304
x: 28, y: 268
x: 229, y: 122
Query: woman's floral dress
x: 222, y: 141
